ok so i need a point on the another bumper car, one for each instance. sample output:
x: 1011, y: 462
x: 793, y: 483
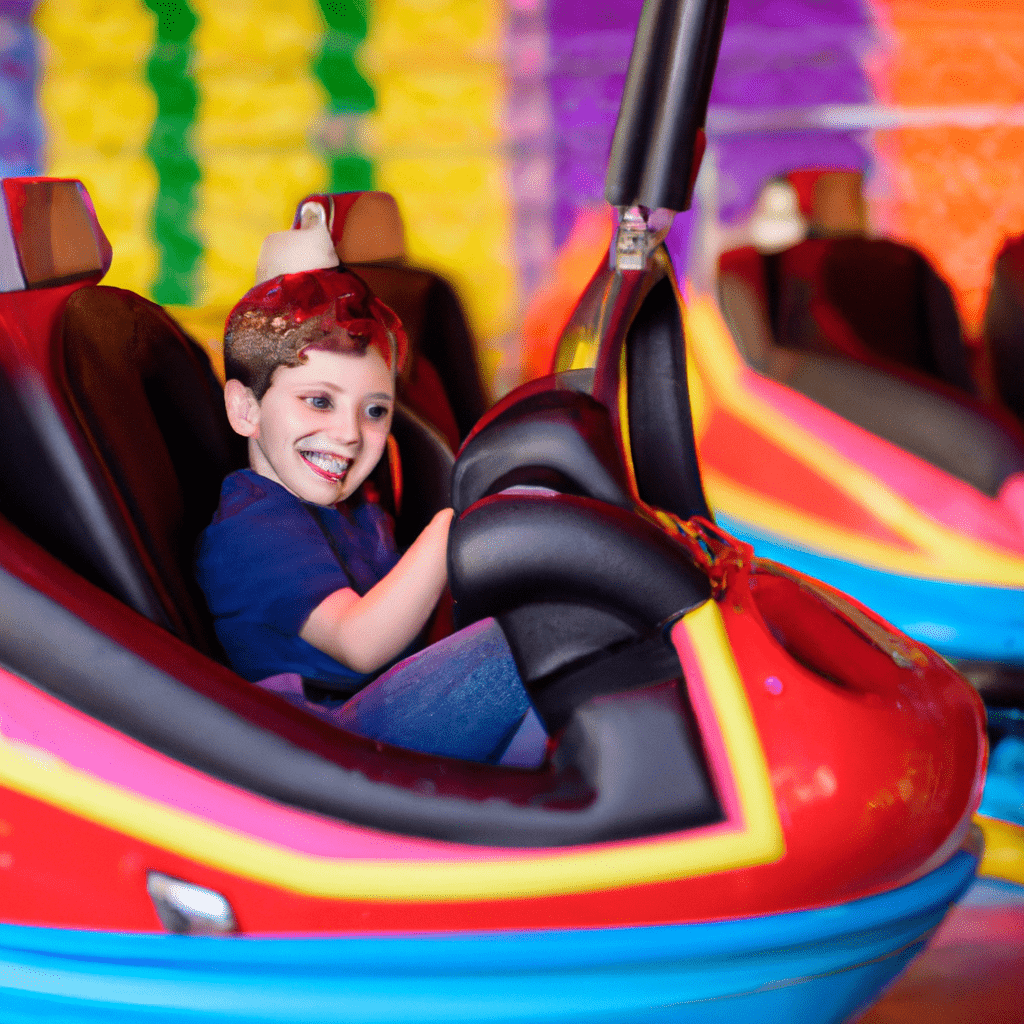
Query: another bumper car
x: 872, y: 468
x: 839, y: 432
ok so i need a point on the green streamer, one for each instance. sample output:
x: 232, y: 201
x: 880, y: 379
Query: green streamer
x: 169, y: 147
x: 350, y: 93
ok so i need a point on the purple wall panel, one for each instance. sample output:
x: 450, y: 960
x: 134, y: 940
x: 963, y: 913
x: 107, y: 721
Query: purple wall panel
x: 788, y: 53
x: 21, y: 134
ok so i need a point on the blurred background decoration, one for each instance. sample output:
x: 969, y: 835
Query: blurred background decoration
x: 198, y: 124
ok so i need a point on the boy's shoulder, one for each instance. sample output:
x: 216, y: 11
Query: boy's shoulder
x: 246, y: 492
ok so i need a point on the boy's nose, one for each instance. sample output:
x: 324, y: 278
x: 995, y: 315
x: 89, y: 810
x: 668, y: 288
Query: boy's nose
x: 345, y: 425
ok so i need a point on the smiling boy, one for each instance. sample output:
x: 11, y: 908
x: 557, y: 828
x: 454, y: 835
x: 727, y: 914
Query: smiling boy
x: 299, y: 566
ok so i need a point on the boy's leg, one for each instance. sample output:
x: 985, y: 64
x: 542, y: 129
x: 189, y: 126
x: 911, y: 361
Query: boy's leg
x: 461, y: 697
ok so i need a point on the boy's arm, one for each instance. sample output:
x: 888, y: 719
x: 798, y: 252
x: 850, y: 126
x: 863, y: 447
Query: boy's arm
x: 364, y: 633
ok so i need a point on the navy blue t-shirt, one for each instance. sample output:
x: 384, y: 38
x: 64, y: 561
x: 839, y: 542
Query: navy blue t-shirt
x: 268, y: 559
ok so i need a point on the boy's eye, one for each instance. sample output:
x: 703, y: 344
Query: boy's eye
x: 318, y: 401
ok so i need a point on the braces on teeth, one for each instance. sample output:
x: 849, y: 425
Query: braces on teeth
x: 327, y: 462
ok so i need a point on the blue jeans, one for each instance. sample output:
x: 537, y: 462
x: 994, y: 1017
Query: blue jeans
x: 461, y: 697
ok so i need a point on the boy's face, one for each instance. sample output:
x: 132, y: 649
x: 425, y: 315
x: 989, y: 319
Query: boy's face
x: 321, y: 427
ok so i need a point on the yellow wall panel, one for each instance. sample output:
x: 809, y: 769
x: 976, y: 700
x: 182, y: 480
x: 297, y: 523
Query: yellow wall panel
x: 88, y: 111
x: 100, y: 35
x: 437, y: 141
x: 438, y: 112
x: 258, y: 102
x: 244, y: 197
x: 256, y: 113
x: 239, y: 35
x: 98, y: 110
x: 439, y: 32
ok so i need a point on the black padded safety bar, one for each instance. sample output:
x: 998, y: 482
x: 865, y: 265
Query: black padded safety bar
x: 506, y: 550
x: 660, y: 421
x: 664, y: 104
x: 619, y: 792
x: 558, y: 438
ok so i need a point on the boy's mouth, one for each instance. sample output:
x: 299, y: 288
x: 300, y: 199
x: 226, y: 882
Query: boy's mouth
x: 330, y: 467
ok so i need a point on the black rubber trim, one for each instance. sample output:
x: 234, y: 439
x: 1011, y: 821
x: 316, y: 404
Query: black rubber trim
x: 644, y: 663
x: 53, y: 649
x: 945, y: 433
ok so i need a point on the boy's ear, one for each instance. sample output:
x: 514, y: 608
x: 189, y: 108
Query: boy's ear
x: 243, y: 408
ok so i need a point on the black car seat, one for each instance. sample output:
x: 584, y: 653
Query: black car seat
x: 443, y: 382
x: 80, y: 363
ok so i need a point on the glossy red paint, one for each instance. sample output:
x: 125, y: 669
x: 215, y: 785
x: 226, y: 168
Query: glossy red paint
x: 879, y: 760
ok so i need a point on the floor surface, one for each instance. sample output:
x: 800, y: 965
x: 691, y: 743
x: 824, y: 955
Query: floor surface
x: 973, y: 969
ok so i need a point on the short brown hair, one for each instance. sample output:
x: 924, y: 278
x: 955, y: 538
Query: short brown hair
x: 330, y: 309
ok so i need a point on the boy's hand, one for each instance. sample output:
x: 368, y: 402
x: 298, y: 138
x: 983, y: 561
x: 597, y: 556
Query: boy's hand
x: 365, y: 633
x: 442, y: 522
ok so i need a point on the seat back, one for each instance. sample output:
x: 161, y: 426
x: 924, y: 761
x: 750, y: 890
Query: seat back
x: 443, y: 382
x: 87, y: 373
x: 1004, y: 324
x: 151, y: 410
x: 871, y: 300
